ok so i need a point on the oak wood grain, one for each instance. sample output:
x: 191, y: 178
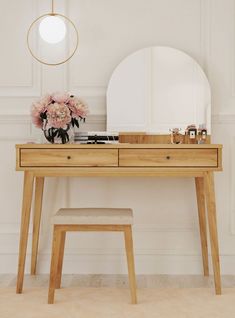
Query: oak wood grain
x: 39, y: 185
x: 199, y: 183
x: 141, y: 160
x: 168, y: 157
x: 68, y: 158
x: 212, y: 222
x: 130, y: 262
x: 24, y: 230
x: 54, y: 263
x: 59, y: 236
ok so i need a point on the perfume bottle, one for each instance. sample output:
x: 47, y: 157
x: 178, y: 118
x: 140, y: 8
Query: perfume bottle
x: 176, y: 136
x: 191, y: 134
x: 202, y: 134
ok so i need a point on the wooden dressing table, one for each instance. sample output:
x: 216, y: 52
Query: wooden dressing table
x: 124, y: 160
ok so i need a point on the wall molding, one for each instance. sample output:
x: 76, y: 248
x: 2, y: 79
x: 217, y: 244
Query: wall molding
x: 73, y: 253
x: 147, y: 264
x: 205, y: 33
x: 11, y: 119
x: 232, y: 187
x: 34, y: 88
x: 88, y: 255
x: 14, y: 228
x: 18, y: 127
x: 223, y: 118
x: 87, y: 91
x: 6, y: 119
x: 232, y: 56
x: 23, y: 129
x: 98, y: 91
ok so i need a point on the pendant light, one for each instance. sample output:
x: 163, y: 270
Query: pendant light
x: 52, y: 38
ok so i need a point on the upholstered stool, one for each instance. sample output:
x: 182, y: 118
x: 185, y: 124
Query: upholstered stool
x: 90, y: 219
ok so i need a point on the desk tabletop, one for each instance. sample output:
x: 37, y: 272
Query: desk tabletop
x: 117, y: 146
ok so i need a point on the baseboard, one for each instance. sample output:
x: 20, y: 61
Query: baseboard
x: 116, y: 264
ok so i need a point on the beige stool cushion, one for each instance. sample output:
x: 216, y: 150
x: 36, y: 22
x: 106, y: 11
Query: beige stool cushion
x: 93, y: 216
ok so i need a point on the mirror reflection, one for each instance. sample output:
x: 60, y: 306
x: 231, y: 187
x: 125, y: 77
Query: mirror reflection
x: 156, y: 89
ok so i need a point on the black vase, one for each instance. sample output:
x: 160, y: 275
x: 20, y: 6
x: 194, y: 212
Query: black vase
x: 59, y: 135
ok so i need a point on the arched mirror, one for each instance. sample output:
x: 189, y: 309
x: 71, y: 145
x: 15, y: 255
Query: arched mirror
x: 156, y: 89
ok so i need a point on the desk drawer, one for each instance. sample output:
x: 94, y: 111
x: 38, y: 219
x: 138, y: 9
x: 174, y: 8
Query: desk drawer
x: 168, y: 157
x: 68, y: 157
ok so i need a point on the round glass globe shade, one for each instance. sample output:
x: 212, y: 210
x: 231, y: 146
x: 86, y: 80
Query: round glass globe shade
x: 52, y: 29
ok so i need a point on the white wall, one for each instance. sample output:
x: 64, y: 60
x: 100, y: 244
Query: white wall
x: 166, y: 226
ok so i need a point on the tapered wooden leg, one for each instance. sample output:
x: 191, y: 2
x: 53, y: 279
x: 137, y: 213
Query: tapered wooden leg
x: 199, y: 183
x: 39, y: 184
x: 211, y: 211
x: 130, y: 262
x: 54, y: 263
x: 60, y: 261
x: 25, y: 218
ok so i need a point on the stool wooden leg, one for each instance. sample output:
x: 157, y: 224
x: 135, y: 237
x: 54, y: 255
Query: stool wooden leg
x: 60, y: 261
x: 130, y: 262
x: 54, y: 263
x: 211, y: 211
x: 39, y: 184
x: 24, y: 230
x: 199, y: 183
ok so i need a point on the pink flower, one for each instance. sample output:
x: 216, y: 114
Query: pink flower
x: 37, y: 121
x: 37, y: 109
x: 58, y: 116
x: 57, y: 110
x: 46, y: 100
x: 61, y: 97
x: 78, y: 108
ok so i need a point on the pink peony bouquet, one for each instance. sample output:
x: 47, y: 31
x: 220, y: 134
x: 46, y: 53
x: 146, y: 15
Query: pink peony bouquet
x: 55, y: 114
